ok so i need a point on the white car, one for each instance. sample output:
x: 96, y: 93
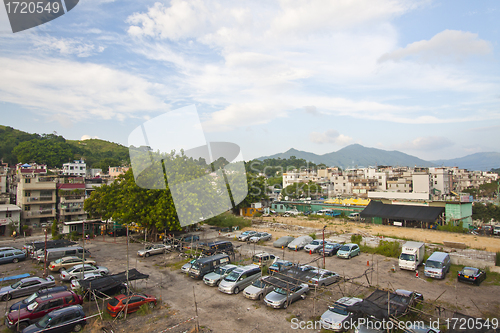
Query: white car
x: 261, y: 236
x: 78, y: 271
x: 314, y: 246
x: 75, y: 284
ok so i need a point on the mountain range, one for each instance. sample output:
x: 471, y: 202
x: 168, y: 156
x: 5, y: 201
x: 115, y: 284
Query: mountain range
x: 356, y: 155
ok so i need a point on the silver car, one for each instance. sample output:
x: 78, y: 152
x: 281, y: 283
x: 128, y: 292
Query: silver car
x: 323, y: 277
x: 187, y: 266
x: 257, y: 290
x: 261, y: 236
x: 314, y: 246
x: 337, y: 318
x: 25, y: 287
x: 280, y: 298
x: 153, y: 249
x: 78, y: 271
x: 75, y: 284
x: 245, y: 235
x: 213, y: 279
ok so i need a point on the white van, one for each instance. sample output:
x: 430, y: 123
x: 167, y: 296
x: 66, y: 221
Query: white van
x: 437, y: 265
x: 60, y: 252
x: 239, y: 279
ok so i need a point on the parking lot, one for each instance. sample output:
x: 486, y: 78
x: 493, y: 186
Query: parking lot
x: 218, y: 312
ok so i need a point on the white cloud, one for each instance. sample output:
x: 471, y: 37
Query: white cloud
x: 77, y: 90
x: 66, y: 46
x: 426, y: 143
x: 330, y: 136
x: 448, y: 44
x: 88, y: 137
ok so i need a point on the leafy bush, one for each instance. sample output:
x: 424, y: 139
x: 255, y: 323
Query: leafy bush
x: 55, y: 229
x: 144, y: 310
x: 385, y: 248
x: 497, y: 259
x: 74, y: 236
x: 453, y: 228
x: 264, y: 270
x: 356, y: 239
x: 313, y: 235
x: 228, y: 220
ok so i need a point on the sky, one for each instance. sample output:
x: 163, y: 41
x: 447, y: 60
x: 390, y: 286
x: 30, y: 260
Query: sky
x: 421, y: 77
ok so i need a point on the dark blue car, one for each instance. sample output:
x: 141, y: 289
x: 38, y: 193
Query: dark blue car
x: 65, y: 320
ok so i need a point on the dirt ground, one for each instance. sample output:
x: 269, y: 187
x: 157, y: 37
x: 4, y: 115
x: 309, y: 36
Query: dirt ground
x: 338, y: 226
x: 219, y: 312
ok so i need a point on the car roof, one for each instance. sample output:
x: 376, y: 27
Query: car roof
x: 65, y: 309
x: 262, y: 254
x: 58, y: 294
x: 348, y: 300
x: 438, y: 256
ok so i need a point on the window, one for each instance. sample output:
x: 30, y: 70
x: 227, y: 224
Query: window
x: 8, y: 214
x: 27, y: 208
x: 73, y: 228
x: 27, y: 180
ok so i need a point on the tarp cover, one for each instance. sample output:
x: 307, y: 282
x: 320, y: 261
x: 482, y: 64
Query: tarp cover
x: 402, y: 212
x: 376, y: 305
x: 111, y: 281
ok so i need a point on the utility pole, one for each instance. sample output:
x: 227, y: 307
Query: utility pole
x: 45, y: 257
x: 324, y: 265
x: 128, y: 283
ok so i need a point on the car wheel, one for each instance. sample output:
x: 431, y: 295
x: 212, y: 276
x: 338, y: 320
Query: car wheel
x: 236, y: 290
x: 147, y: 254
x: 22, y: 326
x: 15, y: 261
x: 77, y: 328
x: 260, y: 297
x: 151, y: 305
x: 285, y: 305
x: 7, y: 297
x: 120, y: 314
x: 322, y: 285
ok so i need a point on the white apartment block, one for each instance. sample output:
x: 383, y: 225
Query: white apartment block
x: 77, y: 168
x: 441, y: 180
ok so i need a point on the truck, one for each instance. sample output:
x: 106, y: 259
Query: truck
x: 412, y: 255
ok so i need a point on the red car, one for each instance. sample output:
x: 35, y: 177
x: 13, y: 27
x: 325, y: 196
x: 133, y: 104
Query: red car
x: 132, y: 303
x: 40, y: 307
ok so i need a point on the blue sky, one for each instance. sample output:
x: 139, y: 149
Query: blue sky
x: 421, y: 77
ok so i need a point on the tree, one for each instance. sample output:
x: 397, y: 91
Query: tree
x: 302, y: 190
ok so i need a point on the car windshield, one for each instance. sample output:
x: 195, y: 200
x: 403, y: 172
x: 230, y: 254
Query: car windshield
x: 32, y: 306
x: 220, y: 271
x: 340, y: 309
x: 195, y: 265
x: 259, y: 284
x: 58, y: 261
x: 469, y: 271
x: 345, y: 248
x: 114, y: 301
x: 314, y: 243
x: 31, y: 298
x: 245, y: 233
x: 328, y: 246
x: 44, y: 321
x: 149, y: 247
x: 433, y: 264
x: 407, y: 257
x: 280, y: 291
x: 232, y: 277
x: 15, y: 285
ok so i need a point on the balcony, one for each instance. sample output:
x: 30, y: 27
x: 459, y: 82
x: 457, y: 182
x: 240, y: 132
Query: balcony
x: 72, y: 198
x: 39, y: 213
x: 71, y: 211
x: 40, y: 199
x: 45, y: 185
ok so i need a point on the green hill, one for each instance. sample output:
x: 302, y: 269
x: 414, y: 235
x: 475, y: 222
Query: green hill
x: 54, y: 150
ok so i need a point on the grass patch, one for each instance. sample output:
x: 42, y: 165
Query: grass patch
x: 144, y: 310
x: 290, y: 317
x: 228, y: 220
x: 453, y: 228
x: 492, y: 278
x: 356, y: 239
x: 385, y: 248
x: 177, y: 265
x: 313, y: 235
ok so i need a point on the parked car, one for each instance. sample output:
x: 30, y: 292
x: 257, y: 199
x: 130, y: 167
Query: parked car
x: 68, y: 262
x: 187, y: 266
x: 354, y: 216
x: 437, y: 265
x: 348, y: 251
x: 77, y: 271
x: 264, y: 259
x: 298, y: 243
x: 65, y: 320
x: 280, y: 298
x: 257, y: 290
x: 262, y: 236
x: 213, y: 279
x: 279, y: 265
x: 44, y: 291
x: 330, y: 249
x: 40, y: 307
x: 153, y: 249
x: 323, y: 277
x: 25, y: 287
x: 119, y: 304
x: 189, y: 238
x: 314, y: 246
x: 283, y: 241
x: 7, y: 248
x: 337, y: 314
x: 245, y: 235
x: 471, y: 275
x: 218, y: 247
x: 496, y: 230
x: 14, y: 256
x: 239, y: 279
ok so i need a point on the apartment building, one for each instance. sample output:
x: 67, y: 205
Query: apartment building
x: 77, y: 168
x: 71, y: 195
x: 9, y: 214
x: 36, y: 194
x: 441, y: 180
